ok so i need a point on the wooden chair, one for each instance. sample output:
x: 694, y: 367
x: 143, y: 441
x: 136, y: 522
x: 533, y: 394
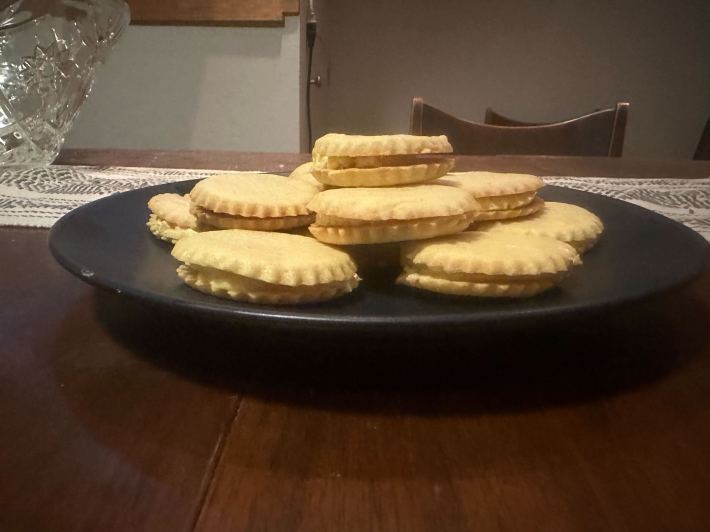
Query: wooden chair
x: 599, y: 133
x: 702, y: 152
x: 496, y: 119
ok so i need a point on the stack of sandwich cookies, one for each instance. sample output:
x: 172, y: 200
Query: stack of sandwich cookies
x: 568, y: 223
x: 500, y: 195
x: 380, y: 161
x: 170, y: 218
x: 260, y: 202
x: 486, y: 265
x: 377, y: 215
x: 270, y: 268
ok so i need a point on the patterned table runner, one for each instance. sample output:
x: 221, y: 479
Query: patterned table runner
x: 39, y: 196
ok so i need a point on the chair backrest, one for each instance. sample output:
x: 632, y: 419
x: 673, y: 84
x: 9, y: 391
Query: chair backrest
x: 496, y: 119
x: 702, y: 152
x: 599, y: 133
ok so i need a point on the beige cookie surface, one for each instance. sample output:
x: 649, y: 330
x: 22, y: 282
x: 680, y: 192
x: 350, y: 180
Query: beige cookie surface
x: 174, y: 209
x: 277, y: 258
x: 254, y: 195
x: 166, y: 231
x: 393, y: 203
x: 232, y: 286
x: 486, y: 184
x: 534, y: 206
x: 475, y: 252
x: 563, y: 221
x: 385, y: 176
x: 338, y: 144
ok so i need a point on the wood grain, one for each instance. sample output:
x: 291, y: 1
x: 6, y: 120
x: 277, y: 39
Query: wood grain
x: 221, y: 160
x: 230, y: 12
x: 280, y: 162
x: 582, y: 425
x: 95, y: 434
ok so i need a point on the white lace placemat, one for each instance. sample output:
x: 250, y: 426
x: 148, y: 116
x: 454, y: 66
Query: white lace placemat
x: 39, y: 196
x: 684, y: 200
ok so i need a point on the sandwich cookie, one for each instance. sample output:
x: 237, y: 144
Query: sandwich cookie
x: 377, y: 215
x: 475, y: 263
x: 260, y: 202
x: 170, y: 218
x: 500, y: 195
x: 269, y: 268
x: 380, y: 161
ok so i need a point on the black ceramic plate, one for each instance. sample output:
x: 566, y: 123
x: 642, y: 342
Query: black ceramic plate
x: 106, y: 243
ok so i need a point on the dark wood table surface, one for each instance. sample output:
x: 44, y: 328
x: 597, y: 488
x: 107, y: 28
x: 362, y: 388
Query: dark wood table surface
x: 114, y: 416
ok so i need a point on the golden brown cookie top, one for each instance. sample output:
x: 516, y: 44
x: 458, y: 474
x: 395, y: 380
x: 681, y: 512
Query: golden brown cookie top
x: 393, y: 203
x: 254, y: 195
x: 278, y: 258
x: 485, y: 184
x: 563, y: 221
x: 339, y: 144
x: 491, y: 254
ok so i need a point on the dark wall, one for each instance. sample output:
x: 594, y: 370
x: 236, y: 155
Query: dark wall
x: 542, y: 60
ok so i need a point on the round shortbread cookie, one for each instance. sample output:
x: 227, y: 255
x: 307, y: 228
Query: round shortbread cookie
x: 536, y: 205
x: 226, y: 221
x: 277, y: 258
x: 338, y: 144
x: 475, y: 252
x: 386, y: 176
x: 563, y: 221
x: 395, y: 203
x: 463, y: 288
x: 254, y: 195
x: 304, y: 172
x: 232, y: 286
x: 174, y: 209
x: 390, y: 231
x: 167, y: 231
x: 486, y: 184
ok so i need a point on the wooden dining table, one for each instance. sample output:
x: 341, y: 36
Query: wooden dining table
x: 115, y: 416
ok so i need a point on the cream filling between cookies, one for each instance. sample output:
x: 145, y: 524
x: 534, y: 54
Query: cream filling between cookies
x: 223, y: 220
x: 341, y: 162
